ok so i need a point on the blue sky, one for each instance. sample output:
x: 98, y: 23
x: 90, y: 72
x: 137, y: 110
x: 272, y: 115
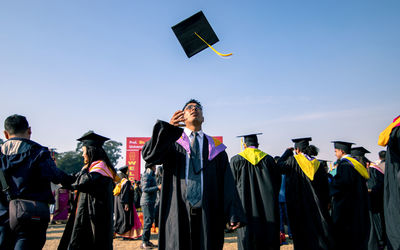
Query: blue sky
x: 326, y: 69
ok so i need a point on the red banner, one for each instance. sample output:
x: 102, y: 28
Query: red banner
x: 134, y: 147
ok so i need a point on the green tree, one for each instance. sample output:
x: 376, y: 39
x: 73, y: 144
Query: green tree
x: 70, y: 161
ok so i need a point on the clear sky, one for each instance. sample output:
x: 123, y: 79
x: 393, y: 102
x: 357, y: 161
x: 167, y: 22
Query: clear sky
x: 326, y: 69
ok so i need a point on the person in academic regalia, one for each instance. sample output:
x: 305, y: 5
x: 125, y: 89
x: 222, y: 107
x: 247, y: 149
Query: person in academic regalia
x: 258, y: 181
x: 90, y: 225
x: 348, y: 188
x: 307, y: 196
x: 390, y: 137
x: 377, y: 236
x: 198, y: 194
x: 126, y: 219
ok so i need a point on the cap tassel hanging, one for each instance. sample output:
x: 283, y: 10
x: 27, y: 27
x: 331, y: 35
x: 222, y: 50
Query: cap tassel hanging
x: 218, y: 53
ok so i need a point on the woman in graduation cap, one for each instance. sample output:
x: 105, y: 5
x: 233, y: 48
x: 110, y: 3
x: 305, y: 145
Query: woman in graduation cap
x: 126, y: 221
x: 90, y: 225
x: 307, y: 196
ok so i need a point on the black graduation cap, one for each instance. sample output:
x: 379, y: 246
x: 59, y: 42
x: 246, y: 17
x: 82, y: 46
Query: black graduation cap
x: 359, y: 151
x: 124, y: 169
x: 93, y: 139
x: 251, y: 139
x: 345, y: 146
x: 196, y: 34
x: 301, y: 143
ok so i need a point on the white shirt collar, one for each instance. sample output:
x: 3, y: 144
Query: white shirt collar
x: 188, y: 132
x: 345, y: 156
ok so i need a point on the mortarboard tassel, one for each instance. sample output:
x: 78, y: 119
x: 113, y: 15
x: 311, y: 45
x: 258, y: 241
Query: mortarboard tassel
x: 212, y: 47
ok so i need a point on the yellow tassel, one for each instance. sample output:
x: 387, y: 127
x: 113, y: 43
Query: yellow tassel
x: 220, y: 54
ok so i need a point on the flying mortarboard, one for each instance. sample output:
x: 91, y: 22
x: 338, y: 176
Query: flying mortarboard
x: 196, y: 34
x: 342, y: 145
x: 250, y: 139
x: 359, y: 151
x: 301, y: 143
x: 93, y: 139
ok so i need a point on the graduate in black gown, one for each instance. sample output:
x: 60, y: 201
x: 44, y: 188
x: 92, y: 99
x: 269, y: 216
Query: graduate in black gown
x: 258, y: 181
x: 350, y: 214
x: 124, y: 214
x: 90, y: 225
x: 390, y: 137
x: 193, y: 219
x: 307, y: 196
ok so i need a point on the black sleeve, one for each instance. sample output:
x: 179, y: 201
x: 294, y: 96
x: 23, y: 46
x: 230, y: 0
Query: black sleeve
x: 285, y: 162
x: 125, y: 193
x: 234, y: 168
x: 343, y: 179
x: 87, y: 182
x: 164, y: 136
x: 323, y: 185
x: 276, y: 175
x: 232, y: 205
x: 394, y: 141
x: 378, y: 178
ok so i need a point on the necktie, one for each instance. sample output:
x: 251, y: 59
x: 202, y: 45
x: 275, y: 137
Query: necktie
x: 193, y: 191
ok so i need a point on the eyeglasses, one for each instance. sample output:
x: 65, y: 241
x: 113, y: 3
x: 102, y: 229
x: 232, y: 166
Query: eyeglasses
x: 193, y: 106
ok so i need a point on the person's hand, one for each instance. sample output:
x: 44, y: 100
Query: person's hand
x: 159, y: 187
x: 234, y: 225
x: 177, y: 119
x: 126, y: 207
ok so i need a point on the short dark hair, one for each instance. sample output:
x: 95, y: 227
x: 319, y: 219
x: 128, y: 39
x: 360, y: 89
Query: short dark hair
x: 311, y: 150
x: 382, y: 155
x: 16, y: 124
x: 192, y: 101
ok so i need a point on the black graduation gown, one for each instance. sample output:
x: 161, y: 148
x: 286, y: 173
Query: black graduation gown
x: 392, y: 190
x: 124, y: 220
x: 350, y: 216
x: 307, y: 205
x: 220, y: 201
x: 90, y: 225
x: 258, y: 188
x: 375, y: 183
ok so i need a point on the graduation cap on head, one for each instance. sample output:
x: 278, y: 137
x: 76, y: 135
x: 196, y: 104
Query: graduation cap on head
x: 359, y: 151
x: 301, y: 143
x: 251, y: 139
x: 342, y: 145
x: 196, y: 34
x: 124, y: 169
x: 93, y: 139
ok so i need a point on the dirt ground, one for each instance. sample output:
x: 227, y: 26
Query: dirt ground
x: 54, y: 233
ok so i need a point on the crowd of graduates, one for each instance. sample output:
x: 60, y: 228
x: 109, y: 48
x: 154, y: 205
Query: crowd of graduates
x: 200, y: 193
